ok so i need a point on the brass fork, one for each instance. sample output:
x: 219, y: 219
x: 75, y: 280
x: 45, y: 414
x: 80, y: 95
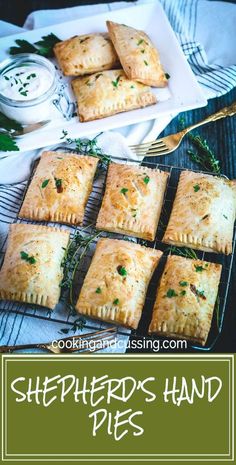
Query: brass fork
x: 170, y: 143
x: 88, y: 343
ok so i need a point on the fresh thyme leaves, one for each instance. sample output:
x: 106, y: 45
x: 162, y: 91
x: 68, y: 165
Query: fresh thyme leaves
x: 8, y: 144
x: 204, y: 155
x: 122, y: 270
x: 116, y: 302
x: 167, y: 76
x: 146, y: 179
x: 116, y: 82
x: 78, y: 325
x: 196, y: 188
x: 171, y: 293
x: 27, y: 258
x: 184, y: 252
x: 43, y: 47
x: 124, y: 190
x: 183, y: 283
x: 9, y: 124
x: 45, y: 183
x: 74, y: 255
x: 88, y: 147
x: 98, y: 290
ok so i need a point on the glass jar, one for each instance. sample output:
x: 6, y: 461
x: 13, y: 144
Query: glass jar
x: 28, y: 84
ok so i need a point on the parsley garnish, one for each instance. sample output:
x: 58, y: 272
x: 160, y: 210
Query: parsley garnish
x: 43, y: 47
x: 142, y: 51
x: 44, y: 183
x: 183, y: 292
x: 196, y: 188
x: 226, y: 217
x: 58, y: 184
x: 171, y: 293
x: 183, y: 283
x: 116, y: 82
x: 140, y: 42
x: 146, y: 179
x: 27, y: 258
x: 98, y: 290
x: 145, y: 62
x: 116, y: 302
x: 124, y: 190
x: 132, y: 87
x: 8, y: 124
x: 198, y: 268
x: 167, y: 76
x: 7, y: 144
x: 121, y: 270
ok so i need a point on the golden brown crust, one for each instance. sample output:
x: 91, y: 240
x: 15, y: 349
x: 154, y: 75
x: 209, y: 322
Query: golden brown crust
x: 133, y: 200
x: 107, y: 93
x: 60, y: 188
x: 37, y: 281
x: 203, y: 213
x: 138, y: 56
x: 115, y: 286
x: 86, y: 54
x: 185, y: 299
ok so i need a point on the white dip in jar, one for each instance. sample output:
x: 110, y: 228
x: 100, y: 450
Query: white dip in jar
x: 27, y: 86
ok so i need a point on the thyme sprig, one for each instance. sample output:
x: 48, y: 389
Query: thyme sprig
x: 88, y: 147
x: 184, y: 252
x: 203, y: 154
x: 73, y: 258
x: 78, y: 325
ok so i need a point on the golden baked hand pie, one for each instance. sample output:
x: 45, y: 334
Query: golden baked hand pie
x: 107, y: 93
x: 138, y: 56
x: 185, y: 299
x: 60, y: 188
x: 133, y: 200
x: 86, y: 54
x: 32, y: 269
x: 115, y: 286
x: 203, y: 214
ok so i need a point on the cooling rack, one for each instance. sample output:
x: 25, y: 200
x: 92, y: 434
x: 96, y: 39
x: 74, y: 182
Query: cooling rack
x: 60, y: 316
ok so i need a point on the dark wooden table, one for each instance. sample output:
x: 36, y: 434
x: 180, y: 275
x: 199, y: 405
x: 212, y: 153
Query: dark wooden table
x: 221, y: 137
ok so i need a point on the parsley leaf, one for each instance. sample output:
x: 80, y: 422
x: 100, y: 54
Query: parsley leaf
x: 198, y: 268
x: 171, y: 293
x: 116, y: 302
x: 8, y: 124
x: 124, y: 190
x: 116, y: 82
x: 98, y: 290
x: 45, y: 183
x: 196, y: 188
x: 27, y: 258
x: 183, y: 292
x: 43, y: 47
x: 183, y: 283
x: 7, y: 144
x: 167, y: 76
x: 122, y: 270
x: 146, y: 179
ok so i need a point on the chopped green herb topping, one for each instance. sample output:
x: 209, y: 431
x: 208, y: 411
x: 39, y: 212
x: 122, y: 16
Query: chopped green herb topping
x: 167, y: 76
x: 122, y: 270
x: 44, y: 183
x: 171, y: 293
x: 124, y: 190
x: 140, y: 42
x: 198, y: 268
x: 183, y: 283
x: 226, y: 217
x: 116, y: 302
x: 116, y: 82
x: 146, y: 179
x: 183, y: 292
x: 145, y: 62
x: 98, y: 290
x: 27, y: 258
x: 196, y: 188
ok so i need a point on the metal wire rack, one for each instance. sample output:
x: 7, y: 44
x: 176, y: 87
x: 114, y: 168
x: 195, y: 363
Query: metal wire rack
x: 94, y: 202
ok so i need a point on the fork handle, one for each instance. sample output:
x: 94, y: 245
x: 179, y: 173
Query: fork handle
x: 226, y: 111
x: 9, y: 349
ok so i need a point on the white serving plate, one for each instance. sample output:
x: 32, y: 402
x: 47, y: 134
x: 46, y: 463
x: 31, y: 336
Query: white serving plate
x: 183, y: 91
